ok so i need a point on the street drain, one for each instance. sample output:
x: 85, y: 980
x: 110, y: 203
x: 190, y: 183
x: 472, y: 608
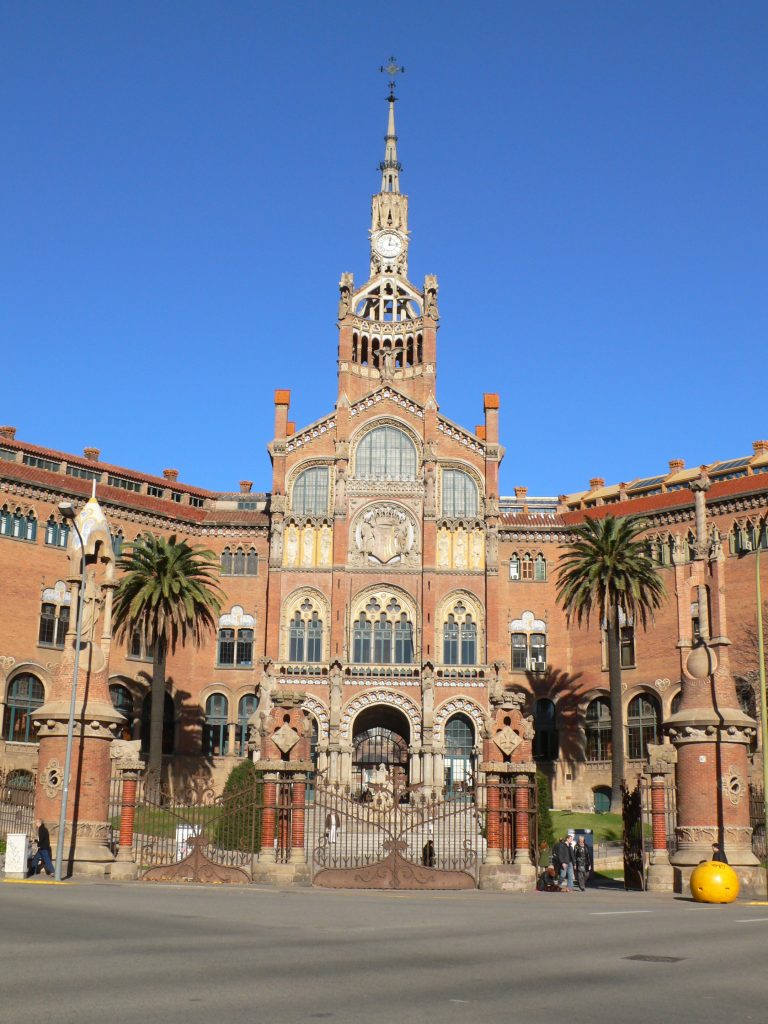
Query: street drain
x: 656, y: 959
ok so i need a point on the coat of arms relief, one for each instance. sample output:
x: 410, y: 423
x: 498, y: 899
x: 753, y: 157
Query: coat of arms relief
x: 384, y: 535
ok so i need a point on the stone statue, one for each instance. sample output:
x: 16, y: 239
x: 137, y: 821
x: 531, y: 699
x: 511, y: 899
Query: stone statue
x: 336, y: 688
x: 325, y: 545
x: 715, y: 543
x: 367, y: 538
x: 387, y: 364
x: 345, y: 295
x: 308, y: 546
x: 92, y: 602
x: 492, y: 548
x: 341, y: 486
x: 291, y: 546
x: 477, y: 549
x: 430, y: 296
x: 428, y: 698
x: 429, y: 489
x: 443, y: 550
x: 460, y: 550
x: 276, y: 547
x: 401, y: 538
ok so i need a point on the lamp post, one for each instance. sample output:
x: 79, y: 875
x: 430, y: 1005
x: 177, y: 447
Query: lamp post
x: 761, y: 672
x: 68, y: 513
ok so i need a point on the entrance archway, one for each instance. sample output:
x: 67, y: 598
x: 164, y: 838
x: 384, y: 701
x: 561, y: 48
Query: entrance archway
x: 380, y: 735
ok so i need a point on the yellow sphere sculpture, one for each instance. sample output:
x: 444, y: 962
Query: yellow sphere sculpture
x: 712, y: 882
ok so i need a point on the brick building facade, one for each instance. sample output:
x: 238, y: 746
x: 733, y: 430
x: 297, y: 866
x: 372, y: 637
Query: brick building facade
x: 383, y: 573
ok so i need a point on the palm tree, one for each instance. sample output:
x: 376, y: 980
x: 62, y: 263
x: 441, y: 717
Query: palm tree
x: 608, y: 569
x: 168, y: 594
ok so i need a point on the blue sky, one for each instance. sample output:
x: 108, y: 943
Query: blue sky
x: 184, y: 182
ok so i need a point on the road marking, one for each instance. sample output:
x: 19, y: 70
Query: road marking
x: 757, y: 903
x: 750, y: 920
x: 34, y: 881
x: 610, y: 913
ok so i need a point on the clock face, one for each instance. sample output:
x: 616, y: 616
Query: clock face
x: 388, y: 245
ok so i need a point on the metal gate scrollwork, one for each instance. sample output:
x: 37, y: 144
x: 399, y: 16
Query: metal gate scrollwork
x: 393, y: 836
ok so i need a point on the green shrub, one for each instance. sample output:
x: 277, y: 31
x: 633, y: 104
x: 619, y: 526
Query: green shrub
x: 239, y: 825
x: 546, y: 826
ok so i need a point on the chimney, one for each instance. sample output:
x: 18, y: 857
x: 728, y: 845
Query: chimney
x: 758, y: 447
x: 675, y: 465
x: 290, y: 428
x: 245, y: 486
x: 92, y: 454
x: 521, y: 493
x: 596, y: 482
x: 491, y: 406
x: 480, y: 431
x: 282, y: 401
x: 171, y: 475
x: 9, y: 433
x: 622, y: 491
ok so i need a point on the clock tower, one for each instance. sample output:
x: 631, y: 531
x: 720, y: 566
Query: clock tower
x: 388, y: 327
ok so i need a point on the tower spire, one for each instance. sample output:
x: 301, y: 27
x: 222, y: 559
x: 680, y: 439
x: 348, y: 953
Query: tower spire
x: 390, y: 167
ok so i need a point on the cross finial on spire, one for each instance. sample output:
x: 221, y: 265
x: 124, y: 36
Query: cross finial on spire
x: 392, y: 68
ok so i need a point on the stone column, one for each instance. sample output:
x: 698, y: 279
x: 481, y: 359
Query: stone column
x: 710, y: 731
x: 125, y: 867
x: 87, y: 831
x: 662, y: 761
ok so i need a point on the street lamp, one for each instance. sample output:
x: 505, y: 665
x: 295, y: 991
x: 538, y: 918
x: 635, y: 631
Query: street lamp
x: 761, y: 671
x: 68, y: 512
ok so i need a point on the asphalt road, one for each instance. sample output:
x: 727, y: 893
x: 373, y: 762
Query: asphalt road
x: 110, y: 953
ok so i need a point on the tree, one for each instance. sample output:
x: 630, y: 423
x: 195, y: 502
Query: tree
x: 239, y: 826
x: 546, y: 827
x: 168, y: 594
x: 607, y: 569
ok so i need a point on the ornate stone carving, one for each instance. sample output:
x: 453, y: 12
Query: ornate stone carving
x: 286, y: 738
x: 346, y: 288
x: 507, y: 740
x: 662, y: 684
x: 384, y: 535
x: 52, y: 778
x: 126, y: 753
x: 276, y: 542
x: 696, y: 835
x: 733, y: 785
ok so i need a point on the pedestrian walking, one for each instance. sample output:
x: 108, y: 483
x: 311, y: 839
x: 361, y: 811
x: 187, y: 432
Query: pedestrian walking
x: 562, y: 860
x: 582, y: 862
x: 43, y: 854
x: 718, y: 853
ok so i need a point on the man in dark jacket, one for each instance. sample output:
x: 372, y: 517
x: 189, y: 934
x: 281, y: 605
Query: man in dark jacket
x: 718, y: 853
x: 43, y: 850
x: 562, y: 859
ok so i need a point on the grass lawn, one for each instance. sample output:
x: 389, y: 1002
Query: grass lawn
x: 605, y: 827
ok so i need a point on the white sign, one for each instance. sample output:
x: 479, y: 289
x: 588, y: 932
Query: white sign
x: 16, y: 855
x: 183, y: 834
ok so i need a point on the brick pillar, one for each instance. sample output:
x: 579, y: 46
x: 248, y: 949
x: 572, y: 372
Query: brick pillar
x: 269, y: 816
x: 125, y: 866
x: 660, y: 872
x: 522, y: 827
x: 297, y: 817
x: 493, y: 838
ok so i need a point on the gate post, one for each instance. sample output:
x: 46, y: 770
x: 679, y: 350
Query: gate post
x: 661, y: 875
x: 508, y: 762
x: 285, y: 762
x: 125, y: 867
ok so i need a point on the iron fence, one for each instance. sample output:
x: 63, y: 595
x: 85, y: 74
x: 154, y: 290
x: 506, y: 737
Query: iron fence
x: 757, y: 821
x: 17, y: 802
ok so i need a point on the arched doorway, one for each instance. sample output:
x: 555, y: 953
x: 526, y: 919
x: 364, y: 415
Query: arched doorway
x: 380, y: 736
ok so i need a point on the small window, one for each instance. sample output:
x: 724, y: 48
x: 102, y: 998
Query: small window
x: 643, y: 726
x: 195, y: 502
x: 227, y: 562
x: 519, y: 651
x: 545, y: 740
x: 123, y: 483
x: 81, y: 473
x: 527, y: 567
x: 226, y: 647
x: 38, y: 463
x: 598, y: 730
x: 155, y: 492
x: 540, y: 568
x: 514, y: 568
x: 177, y: 496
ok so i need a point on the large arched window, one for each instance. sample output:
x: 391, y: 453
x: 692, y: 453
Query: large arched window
x: 235, y: 639
x: 25, y: 696
x: 245, y: 708
x: 459, y: 637
x: 597, y: 728
x: 382, y: 635
x: 643, y: 725
x: 545, y: 744
x: 305, y: 634
x: 310, y: 492
x: 459, y: 494
x: 215, y: 730
x: 386, y: 453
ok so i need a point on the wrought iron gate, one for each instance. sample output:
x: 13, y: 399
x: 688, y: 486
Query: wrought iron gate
x: 393, y: 838
x: 195, y: 836
x: 634, y: 847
